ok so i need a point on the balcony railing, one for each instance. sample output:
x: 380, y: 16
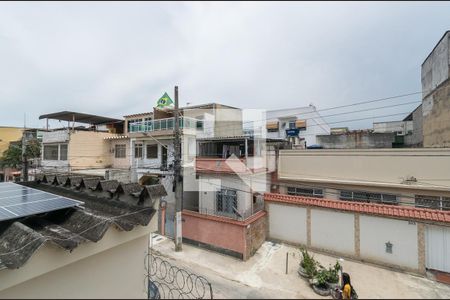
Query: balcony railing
x: 165, y: 124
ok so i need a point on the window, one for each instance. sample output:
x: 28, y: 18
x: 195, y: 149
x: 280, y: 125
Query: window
x: 120, y: 151
x: 132, y: 122
x: 292, y: 125
x: 152, y: 151
x: 226, y: 201
x: 63, y: 152
x: 50, y: 152
x: 138, y: 151
x: 433, y: 202
x: 368, y: 197
x: 55, y: 152
x: 295, y: 191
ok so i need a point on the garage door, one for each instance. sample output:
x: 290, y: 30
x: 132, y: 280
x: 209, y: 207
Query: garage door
x: 287, y: 223
x: 438, y: 248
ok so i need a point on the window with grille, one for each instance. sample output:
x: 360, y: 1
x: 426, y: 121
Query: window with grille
x: 226, y: 201
x: 152, y: 151
x: 311, y: 192
x: 120, y: 151
x: 433, y: 202
x: 369, y: 197
x: 138, y: 151
x: 50, y: 152
x: 63, y: 152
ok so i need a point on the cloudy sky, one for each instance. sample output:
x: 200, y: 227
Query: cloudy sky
x: 117, y: 58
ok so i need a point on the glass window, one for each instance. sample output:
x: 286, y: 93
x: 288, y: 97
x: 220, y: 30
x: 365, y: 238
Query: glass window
x: 152, y: 151
x: 120, y: 151
x: 63, y: 152
x: 138, y: 151
x: 50, y: 152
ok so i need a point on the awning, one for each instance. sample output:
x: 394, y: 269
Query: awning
x: 80, y: 118
x: 300, y: 124
x: 272, y: 125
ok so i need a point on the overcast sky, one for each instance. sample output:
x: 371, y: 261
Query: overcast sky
x: 115, y: 58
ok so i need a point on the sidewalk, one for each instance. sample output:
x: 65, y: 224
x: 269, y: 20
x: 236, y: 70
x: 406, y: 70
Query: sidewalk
x: 264, y: 275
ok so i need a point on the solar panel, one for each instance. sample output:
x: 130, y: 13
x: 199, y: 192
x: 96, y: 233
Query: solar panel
x: 18, y: 201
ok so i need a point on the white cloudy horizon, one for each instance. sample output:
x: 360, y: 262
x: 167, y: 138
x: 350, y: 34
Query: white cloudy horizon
x: 118, y: 58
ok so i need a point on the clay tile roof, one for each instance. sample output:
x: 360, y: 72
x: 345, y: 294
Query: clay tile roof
x: 369, y: 208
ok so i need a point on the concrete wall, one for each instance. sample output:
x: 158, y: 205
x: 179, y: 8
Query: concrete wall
x: 287, y: 223
x: 237, y: 238
x: 383, y: 168
x: 120, y: 163
x: 111, y: 268
x: 89, y: 149
x: 209, y: 184
x: 416, y: 138
x: 356, y: 140
x: 59, y: 136
x: 435, y: 68
x: 333, y: 231
x: 402, y: 127
x: 228, y: 121
x: 226, y: 236
x: 115, y: 273
x: 348, y: 234
x: 435, y: 95
x: 375, y: 232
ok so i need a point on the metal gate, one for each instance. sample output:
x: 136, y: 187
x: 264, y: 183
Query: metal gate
x: 438, y: 248
x: 167, y: 281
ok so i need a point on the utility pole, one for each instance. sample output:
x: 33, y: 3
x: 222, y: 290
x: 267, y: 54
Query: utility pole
x: 178, y: 180
x: 24, y: 153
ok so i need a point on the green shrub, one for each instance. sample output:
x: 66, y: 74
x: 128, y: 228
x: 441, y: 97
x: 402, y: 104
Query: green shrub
x: 308, y: 263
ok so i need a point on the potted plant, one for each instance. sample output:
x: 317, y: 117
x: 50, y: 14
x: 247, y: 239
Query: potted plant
x: 320, y: 284
x: 308, y: 265
x: 332, y: 275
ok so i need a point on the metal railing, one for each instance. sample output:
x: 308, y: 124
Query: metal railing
x: 165, y: 124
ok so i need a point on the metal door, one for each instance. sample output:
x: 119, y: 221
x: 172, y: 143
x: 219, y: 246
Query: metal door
x: 438, y: 248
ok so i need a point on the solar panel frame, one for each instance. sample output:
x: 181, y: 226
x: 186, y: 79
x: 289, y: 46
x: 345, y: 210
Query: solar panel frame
x: 18, y: 201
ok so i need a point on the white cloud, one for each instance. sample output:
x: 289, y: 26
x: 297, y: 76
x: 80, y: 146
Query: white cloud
x: 118, y: 58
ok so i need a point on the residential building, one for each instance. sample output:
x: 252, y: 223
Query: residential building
x: 411, y: 177
x: 7, y: 135
x: 390, y: 206
x: 78, y: 148
x: 81, y: 252
x: 398, y: 127
x: 300, y: 126
x: 233, y: 173
x: 435, y: 95
x: 415, y: 138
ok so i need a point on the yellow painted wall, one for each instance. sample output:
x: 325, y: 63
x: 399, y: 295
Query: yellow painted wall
x: 7, y: 135
x: 89, y: 149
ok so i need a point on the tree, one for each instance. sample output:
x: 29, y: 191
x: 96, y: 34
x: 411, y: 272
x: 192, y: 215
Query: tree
x: 12, y: 157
